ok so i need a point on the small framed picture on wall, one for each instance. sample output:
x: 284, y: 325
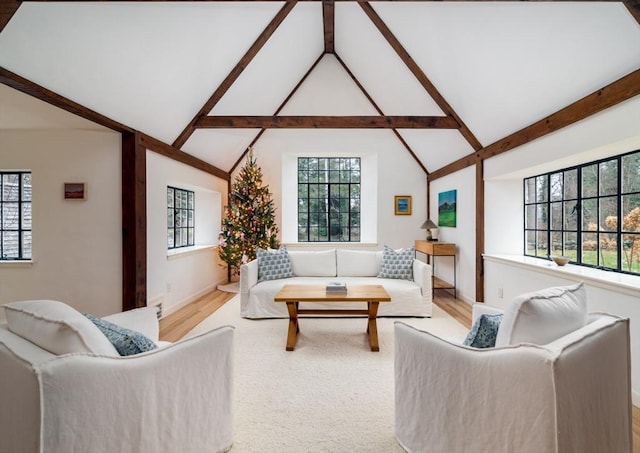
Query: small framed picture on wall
x: 75, y: 191
x: 402, y: 205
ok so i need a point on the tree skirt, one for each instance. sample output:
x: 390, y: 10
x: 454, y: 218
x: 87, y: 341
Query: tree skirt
x: 233, y: 287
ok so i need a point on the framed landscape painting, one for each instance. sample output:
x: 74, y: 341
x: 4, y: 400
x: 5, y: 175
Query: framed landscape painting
x: 447, y: 208
x: 402, y: 205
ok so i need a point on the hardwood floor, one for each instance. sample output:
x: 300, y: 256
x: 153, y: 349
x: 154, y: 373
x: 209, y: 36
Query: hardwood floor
x: 175, y: 325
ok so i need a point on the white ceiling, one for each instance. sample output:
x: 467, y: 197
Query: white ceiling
x: 152, y: 65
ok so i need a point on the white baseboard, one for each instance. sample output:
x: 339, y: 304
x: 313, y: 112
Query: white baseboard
x: 187, y: 300
x: 635, y: 398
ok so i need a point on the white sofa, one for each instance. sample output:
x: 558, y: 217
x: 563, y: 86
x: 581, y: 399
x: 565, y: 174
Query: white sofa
x: 173, y: 398
x: 570, y: 395
x: 408, y: 297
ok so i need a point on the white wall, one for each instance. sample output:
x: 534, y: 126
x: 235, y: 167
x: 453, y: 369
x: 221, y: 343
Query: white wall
x: 181, y: 278
x: 503, y: 217
x: 77, y: 250
x: 397, y: 174
x: 463, y: 235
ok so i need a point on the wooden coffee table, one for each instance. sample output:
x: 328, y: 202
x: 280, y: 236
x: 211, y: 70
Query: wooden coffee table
x: 292, y: 295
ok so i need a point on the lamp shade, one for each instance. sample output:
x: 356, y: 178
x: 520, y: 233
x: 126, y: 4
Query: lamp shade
x: 428, y: 224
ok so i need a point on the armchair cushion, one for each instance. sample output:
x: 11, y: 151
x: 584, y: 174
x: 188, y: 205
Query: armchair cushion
x: 143, y: 320
x: 126, y: 341
x: 484, y: 331
x: 56, y: 327
x: 543, y: 316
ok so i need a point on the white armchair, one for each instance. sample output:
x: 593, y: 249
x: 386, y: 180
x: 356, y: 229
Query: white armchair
x: 570, y: 395
x: 170, y: 399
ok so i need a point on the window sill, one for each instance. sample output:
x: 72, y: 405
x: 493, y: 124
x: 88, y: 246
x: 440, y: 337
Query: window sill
x: 331, y: 244
x: 186, y: 251
x: 16, y: 263
x: 624, y: 283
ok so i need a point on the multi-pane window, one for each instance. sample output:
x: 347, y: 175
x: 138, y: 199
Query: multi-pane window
x: 15, y: 215
x: 180, y: 217
x: 590, y: 213
x: 328, y: 199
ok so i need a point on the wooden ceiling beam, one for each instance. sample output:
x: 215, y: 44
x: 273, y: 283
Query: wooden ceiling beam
x: 39, y: 92
x: 7, y: 9
x: 26, y: 86
x: 418, y: 73
x: 236, y: 71
x: 286, y: 100
x: 604, y: 98
x: 634, y: 8
x: 379, y: 110
x: 327, y: 122
x: 173, y: 153
x: 328, y: 20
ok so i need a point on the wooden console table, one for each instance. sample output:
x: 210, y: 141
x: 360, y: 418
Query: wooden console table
x: 433, y: 249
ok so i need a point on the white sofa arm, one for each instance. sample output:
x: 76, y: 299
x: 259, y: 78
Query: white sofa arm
x: 441, y: 385
x: 248, y: 279
x: 171, y: 399
x: 422, y: 273
x: 143, y: 320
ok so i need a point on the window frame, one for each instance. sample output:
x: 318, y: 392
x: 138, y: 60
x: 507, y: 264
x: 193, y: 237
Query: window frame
x: 173, y: 212
x: 542, y: 210
x: 23, y: 255
x: 354, y: 230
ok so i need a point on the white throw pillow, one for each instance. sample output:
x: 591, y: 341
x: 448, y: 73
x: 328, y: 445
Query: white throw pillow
x: 543, y: 316
x: 358, y: 263
x: 313, y: 263
x: 56, y: 327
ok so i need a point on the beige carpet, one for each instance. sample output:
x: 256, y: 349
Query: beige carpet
x: 332, y: 394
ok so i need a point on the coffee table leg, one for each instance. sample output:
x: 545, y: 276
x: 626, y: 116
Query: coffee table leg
x: 293, y: 325
x: 372, y: 327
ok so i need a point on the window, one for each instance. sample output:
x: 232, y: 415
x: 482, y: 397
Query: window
x: 180, y: 218
x: 575, y: 212
x: 15, y: 215
x: 328, y: 199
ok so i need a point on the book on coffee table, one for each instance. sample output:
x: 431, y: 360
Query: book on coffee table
x: 336, y: 287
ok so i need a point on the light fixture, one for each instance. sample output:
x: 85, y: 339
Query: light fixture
x: 432, y: 230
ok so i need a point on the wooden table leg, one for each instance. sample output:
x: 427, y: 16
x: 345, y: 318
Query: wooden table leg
x: 293, y: 325
x: 372, y: 327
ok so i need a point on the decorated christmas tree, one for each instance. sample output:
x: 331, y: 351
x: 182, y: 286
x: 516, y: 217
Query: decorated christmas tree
x: 249, y: 220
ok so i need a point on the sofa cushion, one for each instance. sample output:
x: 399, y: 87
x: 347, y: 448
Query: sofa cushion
x: 313, y: 263
x: 543, y: 316
x: 56, y: 327
x: 397, y: 263
x: 358, y: 263
x: 126, y: 341
x: 484, y: 331
x: 273, y: 264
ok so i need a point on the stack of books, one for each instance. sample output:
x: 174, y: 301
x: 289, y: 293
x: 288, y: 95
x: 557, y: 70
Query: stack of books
x: 337, y: 288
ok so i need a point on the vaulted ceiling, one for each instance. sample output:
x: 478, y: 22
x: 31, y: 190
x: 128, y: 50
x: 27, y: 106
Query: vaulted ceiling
x: 453, y: 80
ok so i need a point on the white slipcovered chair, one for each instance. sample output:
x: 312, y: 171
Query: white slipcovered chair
x: 176, y: 398
x: 570, y: 394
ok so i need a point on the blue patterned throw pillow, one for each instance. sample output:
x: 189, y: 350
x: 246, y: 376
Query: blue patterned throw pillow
x: 484, y: 331
x: 273, y: 264
x: 126, y: 341
x: 397, y: 263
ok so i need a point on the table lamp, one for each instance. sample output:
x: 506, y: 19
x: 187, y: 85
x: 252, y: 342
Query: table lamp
x: 432, y: 230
